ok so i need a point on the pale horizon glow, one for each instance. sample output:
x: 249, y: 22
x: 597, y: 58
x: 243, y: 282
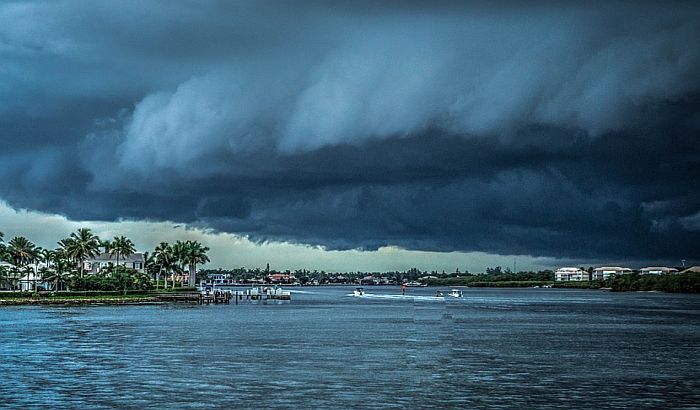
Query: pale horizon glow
x: 234, y: 251
x: 228, y: 251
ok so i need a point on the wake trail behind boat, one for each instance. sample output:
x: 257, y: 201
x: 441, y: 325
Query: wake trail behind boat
x: 401, y: 297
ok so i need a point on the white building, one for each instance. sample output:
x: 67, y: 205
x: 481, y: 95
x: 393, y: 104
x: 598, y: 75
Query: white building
x: 11, y: 281
x: 25, y: 278
x: 604, y: 272
x: 657, y: 270
x: 569, y: 274
x: 218, y: 279
x: 104, y: 260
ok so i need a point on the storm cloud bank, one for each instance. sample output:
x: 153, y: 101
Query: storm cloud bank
x: 554, y: 130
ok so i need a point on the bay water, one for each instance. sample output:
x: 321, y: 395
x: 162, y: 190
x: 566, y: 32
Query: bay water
x: 492, y: 348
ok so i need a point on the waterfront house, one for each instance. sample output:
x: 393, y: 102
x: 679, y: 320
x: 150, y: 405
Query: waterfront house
x: 339, y: 279
x: 103, y: 260
x: 11, y: 281
x: 604, y: 272
x: 24, y: 278
x: 571, y: 274
x: 657, y: 270
x: 281, y: 278
x: 692, y: 269
x: 218, y: 279
x: 369, y: 280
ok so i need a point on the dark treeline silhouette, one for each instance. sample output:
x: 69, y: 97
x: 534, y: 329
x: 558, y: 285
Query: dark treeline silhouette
x: 304, y: 276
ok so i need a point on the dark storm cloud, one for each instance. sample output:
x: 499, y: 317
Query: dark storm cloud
x: 556, y: 129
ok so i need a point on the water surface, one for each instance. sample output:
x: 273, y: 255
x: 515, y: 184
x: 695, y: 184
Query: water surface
x: 507, y: 348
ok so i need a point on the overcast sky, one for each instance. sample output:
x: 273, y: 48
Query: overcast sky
x: 357, y: 135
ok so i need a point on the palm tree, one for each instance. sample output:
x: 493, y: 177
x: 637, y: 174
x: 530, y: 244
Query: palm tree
x: 81, y: 245
x: 149, y: 266
x: 121, y: 246
x: 47, y: 256
x: 4, y: 275
x: 14, y: 273
x: 38, y: 258
x: 105, y: 247
x: 3, y: 249
x: 62, y: 266
x: 27, y: 272
x: 195, y: 253
x: 164, y: 258
x: 176, y: 269
x: 46, y: 274
x: 22, y: 252
x: 179, y: 256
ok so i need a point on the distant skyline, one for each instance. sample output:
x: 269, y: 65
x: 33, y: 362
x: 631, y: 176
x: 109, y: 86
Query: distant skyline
x: 357, y: 135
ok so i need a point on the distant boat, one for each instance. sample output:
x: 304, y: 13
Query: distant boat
x: 456, y: 293
x: 358, y: 292
x: 416, y: 284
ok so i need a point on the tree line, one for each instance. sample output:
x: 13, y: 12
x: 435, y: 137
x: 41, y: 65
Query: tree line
x: 303, y: 276
x: 683, y: 282
x: 64, y: 266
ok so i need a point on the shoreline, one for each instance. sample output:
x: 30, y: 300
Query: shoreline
x: 79, y: 301
x: 150, y: 298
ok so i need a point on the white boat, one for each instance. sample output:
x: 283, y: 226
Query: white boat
x: 358, y: 292
x: 456, y: 293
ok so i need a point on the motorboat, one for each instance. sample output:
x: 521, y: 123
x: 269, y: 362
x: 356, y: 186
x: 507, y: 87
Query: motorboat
x: 416, y: 284
x: 358, y: 292
x: 456, y: 293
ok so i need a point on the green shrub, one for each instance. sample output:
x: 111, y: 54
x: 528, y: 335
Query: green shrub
x: 675, y: 283
x: 593, y: 284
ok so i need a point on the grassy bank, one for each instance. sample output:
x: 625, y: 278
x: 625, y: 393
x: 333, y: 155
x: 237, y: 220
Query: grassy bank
x: 79, y: 301
x: 83, y: 297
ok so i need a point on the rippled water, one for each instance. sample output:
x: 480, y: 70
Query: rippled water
x: 493, y: 348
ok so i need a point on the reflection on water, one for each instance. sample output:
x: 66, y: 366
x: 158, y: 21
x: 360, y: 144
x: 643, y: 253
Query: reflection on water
x: 501, y: 348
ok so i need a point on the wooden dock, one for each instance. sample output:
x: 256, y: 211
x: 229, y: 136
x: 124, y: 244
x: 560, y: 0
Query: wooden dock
x: 226, y: 296
x: 196, y: 297
x: 252, y: 294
